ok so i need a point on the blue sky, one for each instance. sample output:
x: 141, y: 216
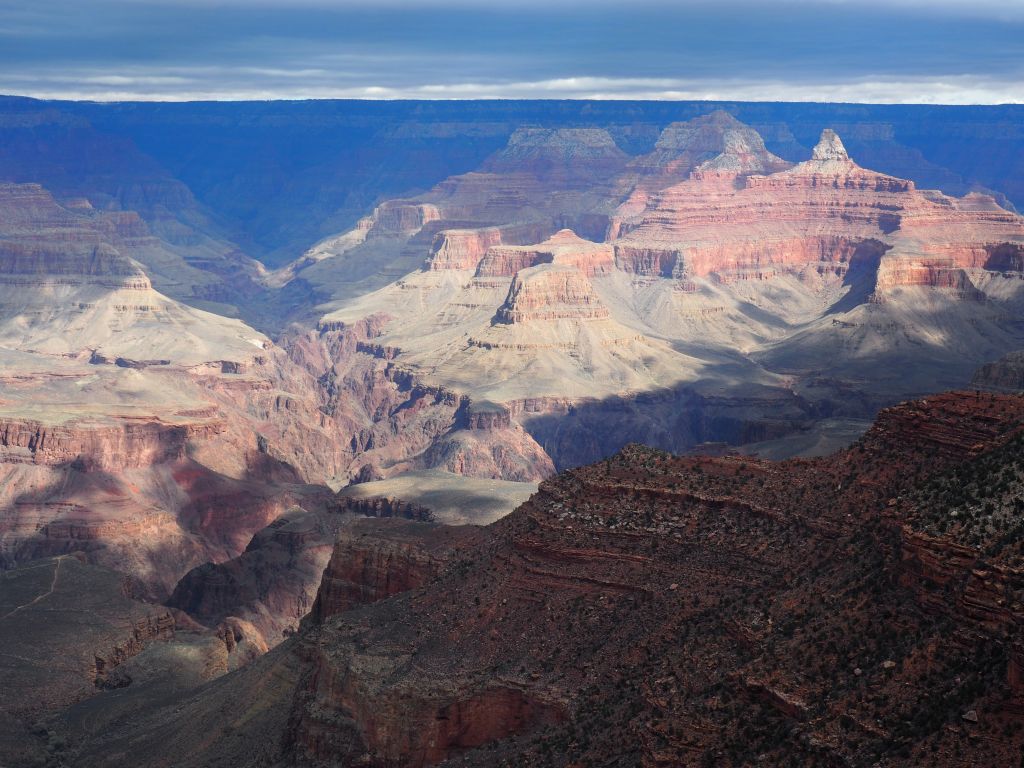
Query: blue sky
x: 942, y: 51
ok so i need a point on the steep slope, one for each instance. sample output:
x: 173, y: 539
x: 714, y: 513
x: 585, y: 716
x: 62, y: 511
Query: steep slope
x: 68, y: 285
x: 652, y: 610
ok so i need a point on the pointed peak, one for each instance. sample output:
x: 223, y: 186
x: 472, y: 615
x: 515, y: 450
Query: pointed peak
x: 829, y: 147
x: 830, y: 159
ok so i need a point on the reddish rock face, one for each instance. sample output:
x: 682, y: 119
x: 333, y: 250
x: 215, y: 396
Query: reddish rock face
x: 376, y: 559
x: 464, y: 248
x: 461, y: 249
x: 816, y: 214
x: 109, y: 449
x: 266, y: 590
x: 564, y: 248
x: 399, y: 216
x: 594, y: 547
x: 674, y: 611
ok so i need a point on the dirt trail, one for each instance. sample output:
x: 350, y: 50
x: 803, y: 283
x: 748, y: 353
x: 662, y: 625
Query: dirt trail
x: 53, y: 586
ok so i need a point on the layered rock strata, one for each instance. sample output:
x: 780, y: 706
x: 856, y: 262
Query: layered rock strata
x: 670, y: 611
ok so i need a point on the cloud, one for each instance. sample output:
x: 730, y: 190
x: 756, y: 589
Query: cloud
x: 939, y: 51
x: 957, y: 90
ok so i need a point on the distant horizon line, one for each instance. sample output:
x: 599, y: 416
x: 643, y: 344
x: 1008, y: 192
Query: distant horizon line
x: 471, y: 99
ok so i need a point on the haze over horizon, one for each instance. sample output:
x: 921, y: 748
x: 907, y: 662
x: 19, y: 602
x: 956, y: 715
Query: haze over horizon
x: 951, y: 52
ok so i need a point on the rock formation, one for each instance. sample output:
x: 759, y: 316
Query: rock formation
x: 537, y: 313
x: 713, y: 143
x: 1003, y: 375
x: 155, y: 437
x: 374, y: 559
x: 811, y: 220
x: 564, y: 247
x: 713, y: 246
x: 550, y: 292
x: 664, y: 610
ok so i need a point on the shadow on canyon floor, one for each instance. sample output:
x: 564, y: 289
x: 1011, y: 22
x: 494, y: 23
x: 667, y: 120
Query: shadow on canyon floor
x: 676, y: 419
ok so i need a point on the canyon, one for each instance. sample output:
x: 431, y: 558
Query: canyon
x: 292, y: 481
x: 657, y: 610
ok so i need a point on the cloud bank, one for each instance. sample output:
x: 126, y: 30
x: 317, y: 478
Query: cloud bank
x: 942, y: 51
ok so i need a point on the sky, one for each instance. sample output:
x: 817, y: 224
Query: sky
x: 879, y: 51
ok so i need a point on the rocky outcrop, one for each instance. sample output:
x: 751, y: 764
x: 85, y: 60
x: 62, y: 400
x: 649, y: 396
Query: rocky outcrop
x: 1003, y: 375
x: 271, y: 585
x: 928, y: 274
x: 497, y: 452
x: 813, y: 215
x: 143, y: 632
x: 550, y: 292
x: 104, y: 448
x: 461, y: 248
x: 710, y: 143
x: 424, y: 728
x: 953, y: 426
x: 935, y: 567
x: 563, y: 248
x: 398, y: 217
x: 464, y: 248
x: 376, y: 559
